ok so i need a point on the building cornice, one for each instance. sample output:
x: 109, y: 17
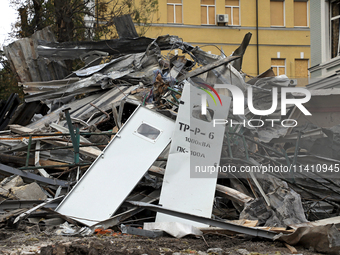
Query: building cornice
x: 229, y: 27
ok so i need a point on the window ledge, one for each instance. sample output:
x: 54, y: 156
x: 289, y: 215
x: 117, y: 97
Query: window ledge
x: 306, y: 27
x: 325, y: 65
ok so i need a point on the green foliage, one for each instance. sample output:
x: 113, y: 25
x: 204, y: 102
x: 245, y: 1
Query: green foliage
x: 143, y: 14
x: 68, y: 17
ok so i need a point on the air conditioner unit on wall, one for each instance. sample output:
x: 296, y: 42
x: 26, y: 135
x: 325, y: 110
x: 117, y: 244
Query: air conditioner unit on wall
x: 293, y: 82
x: 222, y: 18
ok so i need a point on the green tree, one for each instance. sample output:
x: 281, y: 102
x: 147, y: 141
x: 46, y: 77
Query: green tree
x: 79, y: 20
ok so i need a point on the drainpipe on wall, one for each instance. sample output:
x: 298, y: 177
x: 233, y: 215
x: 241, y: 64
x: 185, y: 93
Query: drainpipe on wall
x: 257, y: 37
x: 97, y: 11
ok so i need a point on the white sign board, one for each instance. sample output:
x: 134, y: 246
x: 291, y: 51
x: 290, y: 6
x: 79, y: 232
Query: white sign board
x: 196, y: 145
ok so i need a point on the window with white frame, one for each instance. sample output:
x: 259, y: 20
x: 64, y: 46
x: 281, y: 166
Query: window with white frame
x: 232, y: 8
x: 175, y: 11
x: 208, y: 12
x: 334, y: 28
x: 279, y: 66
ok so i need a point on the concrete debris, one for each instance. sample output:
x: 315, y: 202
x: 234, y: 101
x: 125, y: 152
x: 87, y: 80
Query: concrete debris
x: 28, y: 192
x: 186, y: 136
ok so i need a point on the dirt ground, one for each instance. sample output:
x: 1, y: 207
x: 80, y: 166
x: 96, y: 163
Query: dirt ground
x: 32, y: 241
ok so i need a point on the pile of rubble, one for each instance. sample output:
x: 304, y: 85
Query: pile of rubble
x: 138, y: 130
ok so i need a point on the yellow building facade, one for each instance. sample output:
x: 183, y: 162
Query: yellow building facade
x: 280, y: 31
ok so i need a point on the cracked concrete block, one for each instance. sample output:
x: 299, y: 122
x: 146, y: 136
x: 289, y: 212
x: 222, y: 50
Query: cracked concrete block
x: 28, y: 192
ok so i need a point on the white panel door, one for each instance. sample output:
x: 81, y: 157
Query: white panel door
x: 115, y: 173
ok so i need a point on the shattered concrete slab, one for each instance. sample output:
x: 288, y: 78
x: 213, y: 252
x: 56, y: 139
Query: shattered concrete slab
x: 28, y: 192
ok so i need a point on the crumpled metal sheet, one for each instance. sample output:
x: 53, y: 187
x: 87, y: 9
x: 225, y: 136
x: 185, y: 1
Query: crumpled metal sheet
x: 45, y: 86
x: 121, y: 64
x: 28, y: 64
x: 287, y: 204
x: 73, y: 50
x: 281, y: 80
x: 266, y: 134
x: 90, y: 70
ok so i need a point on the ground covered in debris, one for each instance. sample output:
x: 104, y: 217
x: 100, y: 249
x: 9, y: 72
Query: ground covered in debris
x: 104, y: 145
x: 31, y: 241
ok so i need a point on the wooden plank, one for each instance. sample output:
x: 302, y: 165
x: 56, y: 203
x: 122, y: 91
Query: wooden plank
x: 88, y: 151
x: 18, y: 129
x: 244, y: 222
x: 20, y: 161
x: 278, y: 230
x: 291, y: 249
x: 91, y: 152
x: 215, y: 230
x: 233, y: 194
x: 230, y: 193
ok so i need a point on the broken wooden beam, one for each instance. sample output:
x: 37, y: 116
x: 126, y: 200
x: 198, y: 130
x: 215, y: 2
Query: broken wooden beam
x: 21, y: 161
x: 233, y: 194
x: 230, y: 193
